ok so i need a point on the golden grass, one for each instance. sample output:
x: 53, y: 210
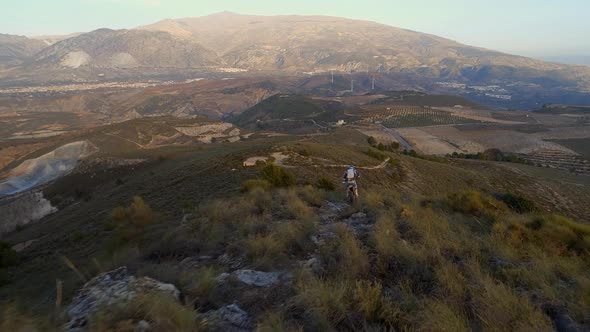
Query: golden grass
x: 264, y: 251
x: 345, y: 255
x: 163, y: 313
x: 130, y: 222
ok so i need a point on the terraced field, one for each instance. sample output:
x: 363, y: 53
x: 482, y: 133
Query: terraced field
x: 559, y: 160
x: 414, y: 116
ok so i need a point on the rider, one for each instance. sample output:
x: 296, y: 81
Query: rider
x: 350, y: 177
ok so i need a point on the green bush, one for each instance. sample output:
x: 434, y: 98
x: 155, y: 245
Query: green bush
x: 326, y: 184
x: 376, y: 154
x: 518, y: 203
x: 250, y: 185
x: 8, y: 257
x: 476, y: 204
x: 277, y: 176
x: 372, y: 141
x: 130, y: 222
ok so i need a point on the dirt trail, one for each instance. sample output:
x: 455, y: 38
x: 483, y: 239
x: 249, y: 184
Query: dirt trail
x: 280, y: 160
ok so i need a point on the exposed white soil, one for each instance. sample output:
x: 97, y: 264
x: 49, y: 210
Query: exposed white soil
x: 76, y: 59
x: 48, y: 167
x: 23, y: 209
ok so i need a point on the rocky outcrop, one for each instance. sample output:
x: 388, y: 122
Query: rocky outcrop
x: 257, y: 278
x: 23, y: 209
x: 111, y: 288
x: 229, y: 318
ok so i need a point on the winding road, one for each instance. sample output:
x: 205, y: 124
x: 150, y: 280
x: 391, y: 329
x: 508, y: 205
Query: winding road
x: 402, y: 141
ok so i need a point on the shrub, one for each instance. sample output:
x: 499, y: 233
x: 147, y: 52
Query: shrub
x: 555, y: 234
x: 345, y: 255
x: 385, y: 236
x: 326, y: 184
x: 369, y: 299
x: 8, y: 257
x: 264, y: 251
x: 499, y: 308
x: 476, y: 204
x: 296, y: 235
x: 252, y: 184
x: 324, y: 302
x: 372, y: 141
x: 200, y: 285
x: 519, y: 203
x: 131, y: 221
x: 296, y: 208
x: 277, y: 176
x: 312, y: 196
x: 376, y: 154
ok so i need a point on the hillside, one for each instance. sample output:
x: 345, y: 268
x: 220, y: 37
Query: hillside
x: 279, y: 107
x: 122, y: 49
x: 233, y: 43
x: 432, y: 244
x: 15, y: 50
x: 307, y: 43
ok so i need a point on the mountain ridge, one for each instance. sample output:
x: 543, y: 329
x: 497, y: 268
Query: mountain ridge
x: 293, y: 44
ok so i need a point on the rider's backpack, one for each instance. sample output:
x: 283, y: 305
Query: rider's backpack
x: 350, y: 174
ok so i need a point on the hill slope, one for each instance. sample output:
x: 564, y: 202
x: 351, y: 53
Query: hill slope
x: 14, y: 50
x: 321, y: 43
x: 105, y: 48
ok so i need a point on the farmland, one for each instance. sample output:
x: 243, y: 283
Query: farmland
x: 413, y: 116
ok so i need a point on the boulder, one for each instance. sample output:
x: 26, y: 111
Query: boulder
x: 229, y: 318
x: 111, y: 288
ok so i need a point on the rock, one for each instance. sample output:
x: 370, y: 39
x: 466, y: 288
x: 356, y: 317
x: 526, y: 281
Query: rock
x: 232, y: 262
x: 562, y: 321
x: 330, y: 212
x: 143, y: 326
x: 111, y: 288
x: 359, y: 216
x: 314, y: 264
x: 235, y: 315
x: 222, y: 277
x: 360, y: 223
x: 256, y: 278
x: 186, y: 217
x: 229, y: 318
x: 262, y: 279
x: 324, y: 235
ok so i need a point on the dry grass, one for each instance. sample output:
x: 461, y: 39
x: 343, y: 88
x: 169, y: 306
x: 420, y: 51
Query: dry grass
x: 477, y: 204
x: 264, y: 252
x: 252, y: 184
x: 275, y: 322
x: 163, y: 313
x: 199, y: 285
x: 497, y: 306
x: 345, y: 255
x: 15, y: 320
x: 296, y: 235
x: 131, y: 221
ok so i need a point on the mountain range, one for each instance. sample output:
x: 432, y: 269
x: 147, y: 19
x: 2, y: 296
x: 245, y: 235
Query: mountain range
x: 229, y: 42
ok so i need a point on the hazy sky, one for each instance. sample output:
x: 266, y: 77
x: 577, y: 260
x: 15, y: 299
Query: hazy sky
x: 527, y: 27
